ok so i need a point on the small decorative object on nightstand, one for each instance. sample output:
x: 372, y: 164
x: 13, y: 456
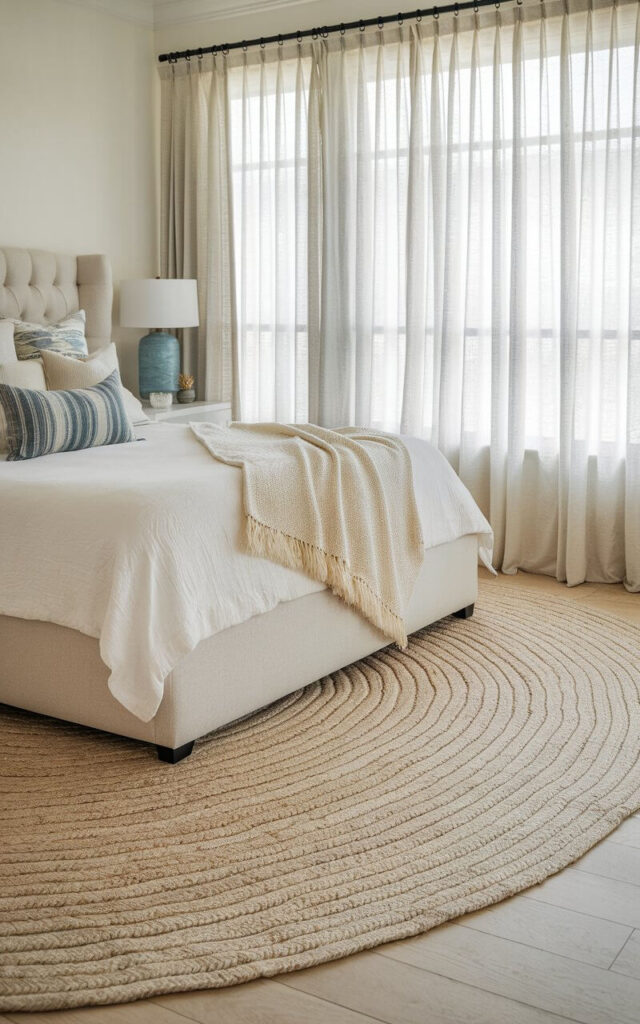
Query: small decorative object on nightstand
x: 161, y: 399
x: 158, y: 303
x: 186, y: 393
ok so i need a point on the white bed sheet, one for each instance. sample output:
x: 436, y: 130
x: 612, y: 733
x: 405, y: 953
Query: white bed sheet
x: 139, y: 545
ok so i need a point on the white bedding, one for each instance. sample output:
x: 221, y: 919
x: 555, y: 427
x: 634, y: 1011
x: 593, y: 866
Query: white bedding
x: 139, y: 545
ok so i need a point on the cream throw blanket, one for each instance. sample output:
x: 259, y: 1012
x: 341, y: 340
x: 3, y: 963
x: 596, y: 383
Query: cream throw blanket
x: 338, y: 505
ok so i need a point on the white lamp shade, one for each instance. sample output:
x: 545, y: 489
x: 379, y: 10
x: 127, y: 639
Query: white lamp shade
x: 159, y: 303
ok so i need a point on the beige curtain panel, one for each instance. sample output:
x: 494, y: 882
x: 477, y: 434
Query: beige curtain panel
x: 433, y: 229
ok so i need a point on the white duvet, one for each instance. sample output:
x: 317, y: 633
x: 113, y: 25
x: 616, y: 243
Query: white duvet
x: 139, y: 545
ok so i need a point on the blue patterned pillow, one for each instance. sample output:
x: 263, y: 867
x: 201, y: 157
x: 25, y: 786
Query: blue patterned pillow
x: 43, y: 422
x: 67, y: 337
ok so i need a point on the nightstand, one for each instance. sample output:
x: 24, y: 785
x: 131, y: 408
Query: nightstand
x: 211, y: 412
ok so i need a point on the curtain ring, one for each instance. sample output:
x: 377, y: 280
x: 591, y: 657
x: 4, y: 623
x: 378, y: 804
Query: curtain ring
x: 380, y: 24
x: 418, y: 15
x: 324, y: 32
x: 280, y: 40
x: 225, y: 50
x: 342, y: 28
x: 497, y: 6
x: 187, y: 56
x: 436, y: 13
x: 299, y: 36
x: 400, y: 19
x: 262, y: 42
x: 200, y: 54
x: 361, y: 26
x: 314, y: 33
x: 456, y: 9
x: 244, y: 45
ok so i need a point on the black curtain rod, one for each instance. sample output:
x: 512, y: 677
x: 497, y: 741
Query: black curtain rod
x: 327, y: 30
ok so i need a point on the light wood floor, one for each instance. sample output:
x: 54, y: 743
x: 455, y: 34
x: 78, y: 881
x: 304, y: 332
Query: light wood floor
x: 567, y: 950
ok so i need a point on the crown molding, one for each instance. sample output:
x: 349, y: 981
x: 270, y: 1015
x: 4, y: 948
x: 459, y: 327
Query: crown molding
x: 139, y: 12
x: 174, y: 12
x: 162, y: 13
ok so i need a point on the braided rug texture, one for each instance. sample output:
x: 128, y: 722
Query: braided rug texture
x: 403, y: 791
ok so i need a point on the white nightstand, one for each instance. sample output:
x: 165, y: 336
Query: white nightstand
x: 211, y: 412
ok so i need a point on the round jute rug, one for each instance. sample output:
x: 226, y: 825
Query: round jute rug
x: 405, y: 790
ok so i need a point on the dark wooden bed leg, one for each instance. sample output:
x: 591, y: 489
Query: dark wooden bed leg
x: 174, y: 754
x: 464, y: 613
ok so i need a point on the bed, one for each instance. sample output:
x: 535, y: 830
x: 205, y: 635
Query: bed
x: 301, y: 633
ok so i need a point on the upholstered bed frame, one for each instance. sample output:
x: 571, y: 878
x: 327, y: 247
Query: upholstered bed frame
x: 57, y: 671
x: 44, y: 287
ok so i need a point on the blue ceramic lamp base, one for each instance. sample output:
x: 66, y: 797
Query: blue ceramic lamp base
x: 158, y: 363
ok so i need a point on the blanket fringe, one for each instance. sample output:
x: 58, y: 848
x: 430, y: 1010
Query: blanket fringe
x: 293, y: 553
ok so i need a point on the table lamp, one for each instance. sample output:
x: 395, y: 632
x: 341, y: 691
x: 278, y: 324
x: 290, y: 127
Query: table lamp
x: 158, y: 303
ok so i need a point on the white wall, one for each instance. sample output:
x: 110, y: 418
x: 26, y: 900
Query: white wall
x: 77, y: 146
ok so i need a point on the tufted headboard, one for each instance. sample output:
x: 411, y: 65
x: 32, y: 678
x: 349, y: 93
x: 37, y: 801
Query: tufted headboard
x: 44, y: 287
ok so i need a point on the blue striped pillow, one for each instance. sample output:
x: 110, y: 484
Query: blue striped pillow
x: 44, y: 422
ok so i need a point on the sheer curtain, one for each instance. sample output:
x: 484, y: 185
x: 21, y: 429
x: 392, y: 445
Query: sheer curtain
x: 435, y: 228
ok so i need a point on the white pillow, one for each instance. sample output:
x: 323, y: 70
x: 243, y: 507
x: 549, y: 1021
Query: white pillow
x: 24, y: 373
x: 27, y: 373
x: 7, y: 347
x: 64, y: 373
